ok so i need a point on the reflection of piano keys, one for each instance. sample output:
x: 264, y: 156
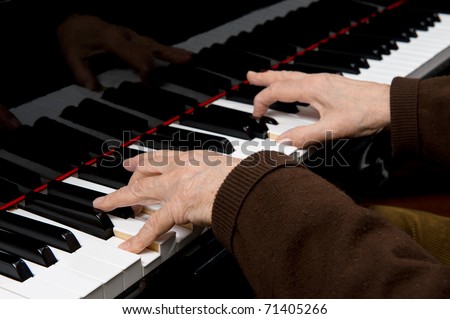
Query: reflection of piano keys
x: 77, y: 275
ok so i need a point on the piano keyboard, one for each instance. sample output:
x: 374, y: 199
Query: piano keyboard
x: 98, y: 269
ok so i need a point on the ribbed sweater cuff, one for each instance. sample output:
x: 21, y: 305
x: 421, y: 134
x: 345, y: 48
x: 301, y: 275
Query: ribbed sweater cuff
x: 404, y: 117
x: 235, y: 188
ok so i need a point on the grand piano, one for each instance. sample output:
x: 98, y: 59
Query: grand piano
x: 54, y: 245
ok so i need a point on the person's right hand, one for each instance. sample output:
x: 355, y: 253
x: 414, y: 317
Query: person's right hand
x: 83, y: 36
x: 8, y: 120
x: 347, y: 108
x: 185, y: 184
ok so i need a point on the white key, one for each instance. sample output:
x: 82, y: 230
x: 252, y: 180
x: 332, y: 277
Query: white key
x: 150, y: 259
x: 129, y: 263
x: 35, y: 288
x: 111, y: 276
x: 6, y: 294
x: 79, y: 284
x: 409, y: 56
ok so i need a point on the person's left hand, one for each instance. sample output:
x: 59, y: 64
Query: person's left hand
x: 183, y: 183
x: 83, y: 36
x: 348, y: 108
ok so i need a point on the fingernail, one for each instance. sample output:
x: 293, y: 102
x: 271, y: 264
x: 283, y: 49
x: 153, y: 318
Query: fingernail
x: 98, y: 201
x: 125, y: 245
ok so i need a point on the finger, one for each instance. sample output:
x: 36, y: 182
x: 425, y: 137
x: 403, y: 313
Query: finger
x: 82, y: 73
x: 307, y: 135
x: 154, y: 162
x: 283, y: 91
x: 143, y: 191
x: 268, y: 77
x: 172, y: 54
x: 145, y: 165
x: 130, y: 49
x: 7, y: 119
x: 158, y: 223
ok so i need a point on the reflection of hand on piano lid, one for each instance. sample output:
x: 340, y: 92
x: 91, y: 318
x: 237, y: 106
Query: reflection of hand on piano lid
x: 7, y: 119
x: 82, y: 37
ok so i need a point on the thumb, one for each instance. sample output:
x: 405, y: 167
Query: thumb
x: 305, y: 135
x: 157, y: 224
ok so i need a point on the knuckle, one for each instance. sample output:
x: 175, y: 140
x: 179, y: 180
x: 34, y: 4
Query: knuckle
x: 137, y: 188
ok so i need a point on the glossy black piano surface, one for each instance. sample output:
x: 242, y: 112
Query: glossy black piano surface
x: 99, y: 122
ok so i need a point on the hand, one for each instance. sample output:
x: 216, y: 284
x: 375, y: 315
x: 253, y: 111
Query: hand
x: 8, y: 120
x: 83, y: 36
x: 183, y: 183
x: 347, y: 108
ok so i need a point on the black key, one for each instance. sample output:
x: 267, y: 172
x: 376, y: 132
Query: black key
x: 193, y: 78
x: 108, y: 169
x: 230, y: 62
x: 9, y: 191
x: 380, y: 30
x: 26, y: 248
x: 69, y: 213
x: 14, y: 267
x: 307, y: 31
x: 245, y: 93
x: 155, y: 102
x: 32, y: 144
x: 346, y: 45
x: 83, y: 196
x: 306, y: 26
x: 84, y: 213
x: 110, y: 176
x: 117, y: 155
x: 88, y: 145
x: 409, y: 18
x: 51, y: 235
x: 106, y: 119
x: 306, y: 68
x: 24, y: 178
x: 227, y: 121
x: 333, y: 61
x: 253, y: 43
x: 433, y: 6
x: 168, y: 137
x: 385, y: 44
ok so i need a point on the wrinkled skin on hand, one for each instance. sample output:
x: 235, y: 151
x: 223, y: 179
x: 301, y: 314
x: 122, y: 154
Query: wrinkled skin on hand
x: 347, y: 108
x: 183, y: 183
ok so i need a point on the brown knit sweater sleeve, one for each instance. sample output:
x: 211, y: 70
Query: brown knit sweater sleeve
x: 295, y: 235
x: 420, y: 118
